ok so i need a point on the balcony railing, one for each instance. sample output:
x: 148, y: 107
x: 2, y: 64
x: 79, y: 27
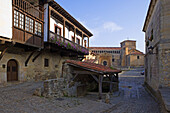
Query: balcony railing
x: 28, y: 8
x: 67, y: 44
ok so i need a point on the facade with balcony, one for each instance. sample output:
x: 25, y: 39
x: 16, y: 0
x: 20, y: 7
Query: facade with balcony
x: 64, y: 31
x: 36, y: 37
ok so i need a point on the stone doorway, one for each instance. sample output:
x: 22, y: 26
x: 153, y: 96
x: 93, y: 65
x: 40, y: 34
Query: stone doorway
x: 12, y: 70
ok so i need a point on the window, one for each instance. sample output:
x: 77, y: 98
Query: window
x: 113, y: 60
x: 16, y: 18
x: 57, y: 30
x: 38, y: 28
x: 138, y: 57
x: 29, y: 24
x: 105, y: 63
x: 78, y: 41
x: 21, y: 21
x: 46, y: 62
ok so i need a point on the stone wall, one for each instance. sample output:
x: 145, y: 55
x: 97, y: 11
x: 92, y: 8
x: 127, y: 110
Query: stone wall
x: 61, y: 87
x: 151, y: 60
x: 34, y: 70
x: 133, y: 61
x: 164, y: 46
x: 157, y: 63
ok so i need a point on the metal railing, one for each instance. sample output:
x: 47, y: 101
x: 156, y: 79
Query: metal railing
x: 64, y: 42
x: 29, y: 8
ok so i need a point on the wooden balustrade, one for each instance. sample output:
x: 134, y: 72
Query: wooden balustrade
x: 29, y: 8
x: 57, y: 39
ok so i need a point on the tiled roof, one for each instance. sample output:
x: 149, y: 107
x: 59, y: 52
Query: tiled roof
x: 128, y: 41
x: 105, y: 48
x: 90, y: 60
x: 93, y: 67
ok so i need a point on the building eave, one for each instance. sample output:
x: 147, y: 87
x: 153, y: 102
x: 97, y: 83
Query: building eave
x: 149, y: 13
x: 63, y: 12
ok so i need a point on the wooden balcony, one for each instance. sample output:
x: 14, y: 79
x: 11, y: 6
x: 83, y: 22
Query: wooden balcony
x: 28, y: 8
x: 67, y: 44
x: 27, y: 24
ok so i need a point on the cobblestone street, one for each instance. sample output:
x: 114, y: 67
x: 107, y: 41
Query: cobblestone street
x: 132, y: 98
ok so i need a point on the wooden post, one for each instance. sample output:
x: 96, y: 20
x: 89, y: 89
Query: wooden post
x: 82, y: 39
x: 64, y: 25
x: 49, y: 15
x: 88, y: 42
x: 100, y: 86
x: 111, y: 85
x: 75, y: 34
x: 117, y: 78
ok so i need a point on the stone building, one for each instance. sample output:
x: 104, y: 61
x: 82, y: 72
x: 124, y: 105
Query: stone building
x: 135, y: 58
x: 157, y: 59
x: 125, y: 56
x: 35, y: 39
x: 129, y: 55
x: 109, y: 56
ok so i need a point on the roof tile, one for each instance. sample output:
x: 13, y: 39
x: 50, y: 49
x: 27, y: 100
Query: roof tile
x: 93, y: 66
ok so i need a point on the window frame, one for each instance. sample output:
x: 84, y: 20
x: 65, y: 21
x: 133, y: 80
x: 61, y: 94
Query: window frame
x: 78, y: 41
x: 46, y: 62
x: 29, y: 24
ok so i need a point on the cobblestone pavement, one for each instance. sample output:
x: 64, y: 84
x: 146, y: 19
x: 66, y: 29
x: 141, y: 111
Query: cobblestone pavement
x: 132, y: 98
x: 19, y: 99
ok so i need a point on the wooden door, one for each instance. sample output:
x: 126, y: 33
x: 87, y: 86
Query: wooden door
x: 12, y: 71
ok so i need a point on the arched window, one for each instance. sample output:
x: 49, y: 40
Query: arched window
x: 105, y: 63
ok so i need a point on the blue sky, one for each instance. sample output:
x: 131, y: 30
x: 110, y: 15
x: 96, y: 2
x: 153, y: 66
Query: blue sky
x: 110, y: 21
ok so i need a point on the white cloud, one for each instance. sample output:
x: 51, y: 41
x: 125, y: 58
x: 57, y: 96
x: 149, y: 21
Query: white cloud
x: 111, y: 26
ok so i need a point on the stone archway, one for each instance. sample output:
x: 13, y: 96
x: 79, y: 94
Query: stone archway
x: 12, y: 70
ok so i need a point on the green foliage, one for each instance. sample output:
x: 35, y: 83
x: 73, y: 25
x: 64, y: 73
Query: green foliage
x: 69, y: 46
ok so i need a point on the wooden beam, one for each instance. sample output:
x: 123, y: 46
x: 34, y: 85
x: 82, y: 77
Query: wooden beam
x: 88, y: 42
x: 64, y: 25
x: 95, y: 78
x: 49, y: 15
x: 26, y: 62
x: 100, y: 86
x: 72, y: 78
x: 3, y: 52
x: 74, y: 34
x: 82, y: 39
x: 117, y: 77
x: 36, y: 56
x: 83, y: 72
x: 111, y: 85
x: 2, y: 42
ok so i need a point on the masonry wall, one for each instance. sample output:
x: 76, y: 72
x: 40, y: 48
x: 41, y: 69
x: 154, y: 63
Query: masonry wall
x: 164, y: 46
x: 151, y: 60
x: 34, y: 70
x: 157, y: 64
x: 105, y: 57
x: 132, y: 60
x: 125, y: 47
